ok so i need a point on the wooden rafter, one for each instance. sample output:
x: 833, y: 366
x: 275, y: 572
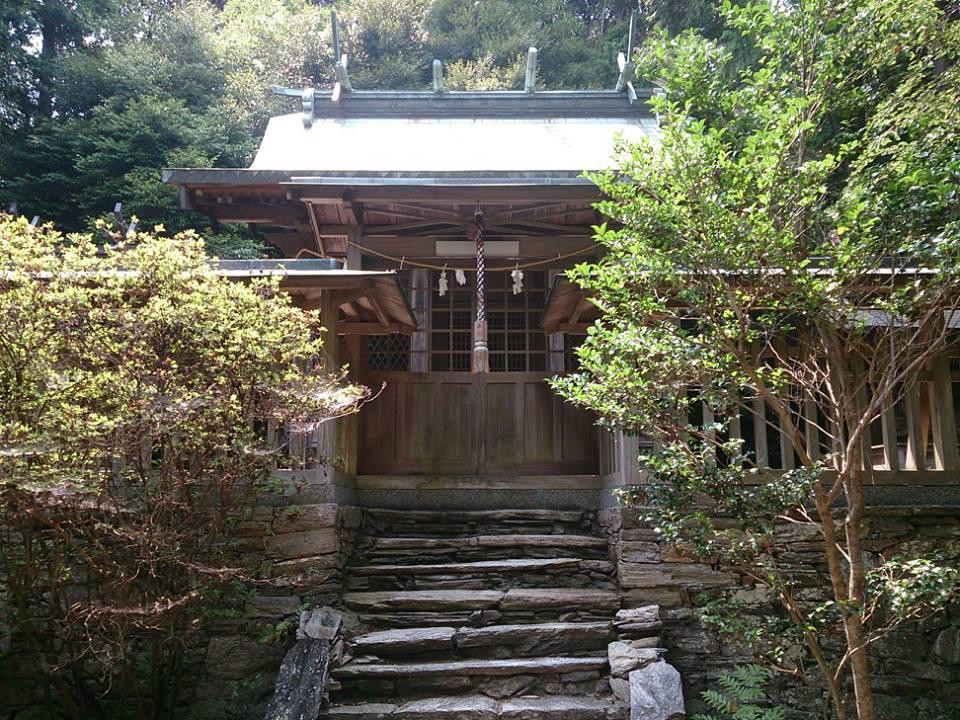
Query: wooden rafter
x: 317, y: 237
x: 377, y: 309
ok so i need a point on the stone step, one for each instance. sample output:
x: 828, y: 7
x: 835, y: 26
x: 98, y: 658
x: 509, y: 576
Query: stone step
x: 485, y: 574
x: 516, y: 599
x: 518, y: 640
x: 500, y: 678
x: 483, y: 566
x: 476, y: 548
x: 489, y: 541
x: 472, y: 668
x: 481, y: 707
x: 423, y: 523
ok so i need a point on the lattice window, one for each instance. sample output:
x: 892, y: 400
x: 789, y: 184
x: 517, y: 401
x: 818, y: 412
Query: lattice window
x: 388, y: 352
x: 515, y: 337
x: 451, y: 325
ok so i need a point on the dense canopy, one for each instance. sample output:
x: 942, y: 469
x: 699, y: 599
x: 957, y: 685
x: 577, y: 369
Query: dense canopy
x: 97, y: 95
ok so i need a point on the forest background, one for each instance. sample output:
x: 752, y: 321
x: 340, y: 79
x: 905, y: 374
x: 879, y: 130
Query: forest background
x: 96, y: 96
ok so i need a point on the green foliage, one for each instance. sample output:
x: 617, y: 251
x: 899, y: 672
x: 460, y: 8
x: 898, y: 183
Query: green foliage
x: 135, y: 384
x: 739, y: 697
x: 910, y: 588
x: 765, y: 251
x: 98, y: 95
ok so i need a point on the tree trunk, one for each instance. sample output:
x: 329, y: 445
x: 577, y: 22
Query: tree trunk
x: 856, y: 591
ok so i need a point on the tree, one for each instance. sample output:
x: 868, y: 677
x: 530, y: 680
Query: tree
x: 135, y: 389
x: 794, y: 242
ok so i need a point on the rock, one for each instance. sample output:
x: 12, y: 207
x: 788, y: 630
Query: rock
x: 287, y: 546
x: 643, y: 614
x: 237, y: 658
x: 701, y: 577
x: 301, y: 518
x: 621, y: 689
x: 639, y: 552
x: 947, y: 645
x: 665, y: 597
x: 656, y: 693
x: 274, y: 607
x: 319, y: 624
x: 640, y: 630
x: 508, y: 686
x: 637, y: 575
x: 625, y: 657
x: 365, y: 709
x: 310, y: 564
x: 301, y: 681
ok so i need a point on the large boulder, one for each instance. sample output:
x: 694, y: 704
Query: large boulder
x: 656, y: 693
x: 625, y: 656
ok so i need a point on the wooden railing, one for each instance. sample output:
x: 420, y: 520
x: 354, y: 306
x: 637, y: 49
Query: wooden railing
x: 913, y: 439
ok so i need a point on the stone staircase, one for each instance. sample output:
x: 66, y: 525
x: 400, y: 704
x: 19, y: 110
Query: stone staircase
x: 478, y: 615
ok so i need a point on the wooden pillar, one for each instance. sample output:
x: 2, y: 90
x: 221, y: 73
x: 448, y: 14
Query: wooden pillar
x: 328, y: 447
x: 556, y: 349
x: 354, y: 256
x: 944, y: 424
x: 916, y: 458
x: 348, y: 428
x: 420, y: 303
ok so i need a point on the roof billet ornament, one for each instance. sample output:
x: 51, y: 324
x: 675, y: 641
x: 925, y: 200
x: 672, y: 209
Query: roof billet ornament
x: 306, y: 96
x: 340, y: 61
x: 530, y: 82
x: 438, y: 77
x: 625, y: 65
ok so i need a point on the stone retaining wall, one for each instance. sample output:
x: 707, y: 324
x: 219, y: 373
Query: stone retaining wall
x: 302, y: 549
x: 918, y: 666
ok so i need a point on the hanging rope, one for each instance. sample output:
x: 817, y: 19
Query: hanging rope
x: 428, y: 266
x: 481, y: 270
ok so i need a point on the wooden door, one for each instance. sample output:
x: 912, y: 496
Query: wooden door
x: 473, y: 424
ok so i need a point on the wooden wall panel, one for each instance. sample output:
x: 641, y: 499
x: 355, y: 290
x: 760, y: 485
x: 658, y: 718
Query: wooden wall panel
x: 473, y: 424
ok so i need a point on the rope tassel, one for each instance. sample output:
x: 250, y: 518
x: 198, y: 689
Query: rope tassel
x: 481, y: 355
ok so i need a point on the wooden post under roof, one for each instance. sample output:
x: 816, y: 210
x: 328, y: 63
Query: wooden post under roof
x: 328, y: 442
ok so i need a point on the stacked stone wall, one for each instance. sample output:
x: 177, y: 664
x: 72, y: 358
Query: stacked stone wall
x: 917, y: 667
x: 302, y: 550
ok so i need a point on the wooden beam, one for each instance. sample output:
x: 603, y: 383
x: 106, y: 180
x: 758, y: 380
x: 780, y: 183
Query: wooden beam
x: 377, y: 309
x: 531, y: 247
x: 579, y: 328
x: 371, y: 328
x: 279, y: 215
x: 317, y: 237
x: 351, y: 214
x: 400, y: 228
x: 583, y: 304
x: 492, y: 195
x: 343, y: 297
